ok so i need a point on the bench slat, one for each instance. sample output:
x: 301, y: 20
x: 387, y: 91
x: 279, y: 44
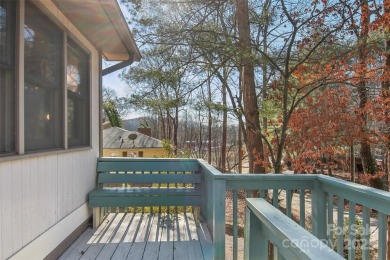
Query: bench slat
x: 148, y: 166
x: 144, y: 201
x: 131, y: 192
x: 148, y: 178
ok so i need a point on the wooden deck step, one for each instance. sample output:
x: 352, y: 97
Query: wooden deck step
x: 144, y: 236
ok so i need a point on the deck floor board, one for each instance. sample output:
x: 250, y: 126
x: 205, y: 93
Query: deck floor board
x: 143, y: 236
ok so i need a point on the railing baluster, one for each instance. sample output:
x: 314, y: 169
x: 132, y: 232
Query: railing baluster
x: 330, y: 227
x: 302, y: 215
x: 288, y: 203
x: 248, y: 194
x: 340, y: 226
x: 382, y: 236
x: 235, y: 225
x: 275, y: 200
x: 351, y: 230
x: 262, y: 194
x: 366, y: 234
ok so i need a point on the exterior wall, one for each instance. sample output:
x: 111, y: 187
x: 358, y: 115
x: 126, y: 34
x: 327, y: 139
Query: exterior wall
x: 39, y: 191
x: 148, y: 153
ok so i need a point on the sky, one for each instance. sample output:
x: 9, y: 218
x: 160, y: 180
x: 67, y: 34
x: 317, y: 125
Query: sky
x: 113, y: 81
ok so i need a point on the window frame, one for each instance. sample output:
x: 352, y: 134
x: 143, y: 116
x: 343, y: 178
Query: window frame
x: 8, y: 90
x: 49, y: 89
x: 71, y: 144
x: 19, y: 82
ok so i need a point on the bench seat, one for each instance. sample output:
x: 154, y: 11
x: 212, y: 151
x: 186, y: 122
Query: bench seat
x: 130, y: 182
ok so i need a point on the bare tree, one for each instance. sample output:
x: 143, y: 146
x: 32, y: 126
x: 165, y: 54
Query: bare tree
x: 251, y: 108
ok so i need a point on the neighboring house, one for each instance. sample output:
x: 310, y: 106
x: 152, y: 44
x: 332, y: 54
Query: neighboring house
x: 50, y: 132
x: 118, y: 142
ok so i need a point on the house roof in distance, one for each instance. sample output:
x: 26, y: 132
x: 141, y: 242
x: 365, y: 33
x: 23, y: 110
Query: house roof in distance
x: 103, y: 23
x: 118, y: 138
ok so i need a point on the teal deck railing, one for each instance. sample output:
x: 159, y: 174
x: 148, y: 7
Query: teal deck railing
x: 333, y: 205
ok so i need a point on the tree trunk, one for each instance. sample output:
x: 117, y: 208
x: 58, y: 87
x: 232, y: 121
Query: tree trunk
x: 224, y: 123
x: 329, y: 166
x: 210, y: 122
x: 200, y: 136
x: 352, y: 163
x: 388, y: 237
x: 386, y: 94
x: 369, y: 164
x: 251, y: 108
x: 264, y: 89
x: 386, y: 165
x: 175, y: 129
x: 240, y: 153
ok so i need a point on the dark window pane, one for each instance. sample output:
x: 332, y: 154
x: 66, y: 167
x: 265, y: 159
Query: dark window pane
x: 7, y: 77
x: 77, y: 79
x: 43, y: 80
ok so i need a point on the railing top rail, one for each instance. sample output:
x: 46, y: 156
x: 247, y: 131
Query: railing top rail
x: 210, y: 170
x: 364, y: 195
x: 265, y: 177
x: 234, y: 176
x: 292, y: 240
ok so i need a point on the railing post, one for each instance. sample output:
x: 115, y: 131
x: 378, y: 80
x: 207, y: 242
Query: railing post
x: 318, y: 211
x: 255, y: 244
x: 219, y: 190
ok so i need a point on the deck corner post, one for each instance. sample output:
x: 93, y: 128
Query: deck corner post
x: 255, y: 244
x: 219, y: 190
x: 318, y: 211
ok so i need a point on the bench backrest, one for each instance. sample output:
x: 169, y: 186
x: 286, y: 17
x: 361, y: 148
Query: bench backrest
x: 148, y: 171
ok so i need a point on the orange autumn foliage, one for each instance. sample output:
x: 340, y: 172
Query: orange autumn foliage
x: 321, y: 128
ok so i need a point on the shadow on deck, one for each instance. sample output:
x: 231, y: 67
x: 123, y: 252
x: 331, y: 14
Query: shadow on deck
x: 144, y: 236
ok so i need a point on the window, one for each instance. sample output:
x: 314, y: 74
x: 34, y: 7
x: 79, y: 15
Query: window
x: 7, y: 77
x: 43, y: 66
x: 56, y: 84
x: 77, y: 82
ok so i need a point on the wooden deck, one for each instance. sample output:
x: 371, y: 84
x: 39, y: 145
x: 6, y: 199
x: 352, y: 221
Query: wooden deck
x: 139, y: 236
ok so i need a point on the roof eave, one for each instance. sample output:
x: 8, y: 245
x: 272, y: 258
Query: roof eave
x: 104, y: 25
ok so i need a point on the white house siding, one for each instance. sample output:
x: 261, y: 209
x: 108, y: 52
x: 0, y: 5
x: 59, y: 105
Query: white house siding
x: 38, y: 191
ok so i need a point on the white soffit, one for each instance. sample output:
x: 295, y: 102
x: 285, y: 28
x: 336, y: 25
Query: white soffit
x: 102, y: 23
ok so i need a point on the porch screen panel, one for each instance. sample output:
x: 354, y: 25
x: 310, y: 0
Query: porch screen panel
x: 78, y: 105
x: 7, y: 77
x: 43, y: 81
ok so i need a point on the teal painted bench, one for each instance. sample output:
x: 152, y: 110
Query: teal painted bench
x: 264, y: 222
x: 125, y: 182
